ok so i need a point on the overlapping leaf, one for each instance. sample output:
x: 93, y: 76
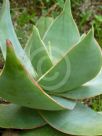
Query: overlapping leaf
x: 90, y: 89
x: 44, y: 131
x: 55, y: 78
x: 43, y: 24
x: 17, y: 86
x: 80, y: 121
x: 85, y: 53
x: 7, y: 32
x: 77, y: 60
x: 38, y: 54
x: 62, y: 34
x: 16, y: 117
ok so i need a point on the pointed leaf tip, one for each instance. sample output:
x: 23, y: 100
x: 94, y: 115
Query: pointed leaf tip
x: 92, y: 29
x: 63, y: 31
x: 67, y: 5
x: 91, y: 32
x: 43, y: 25
x: 35, y: 28
x: 8, y: 43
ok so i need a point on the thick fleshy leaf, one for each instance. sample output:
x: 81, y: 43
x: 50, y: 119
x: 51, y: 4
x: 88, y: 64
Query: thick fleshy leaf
x: 43, y: 24
x: 14, y: 116
x: 90, y: 89
x: 43, y: 131
x: 55, y: 78
x: 7, y: 32
x: 69, y: 104
x: 17, y: 86
x: 37, y: 53
x: 83, y: 36
x: 85, y: 62
x: 79, y: 121
x: 62, y: 34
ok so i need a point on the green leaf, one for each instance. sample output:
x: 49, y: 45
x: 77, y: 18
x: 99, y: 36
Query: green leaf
x: 17, y: 86
x: 83, y: 36
x: 90, y: 89
x: 43, y: 131
x: 43, y: 24
x: 79, y: 121
x: 16, y: 117
x: 62, y: 34
x: 85, y: 62
x: 69, y: 104
x: 37, y: 52
x: 56, y: 77
x: 7, y: 32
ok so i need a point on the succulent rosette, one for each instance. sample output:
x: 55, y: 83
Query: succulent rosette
x: 46, y: 81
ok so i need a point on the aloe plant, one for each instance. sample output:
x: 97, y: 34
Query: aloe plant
x: 47, y: 81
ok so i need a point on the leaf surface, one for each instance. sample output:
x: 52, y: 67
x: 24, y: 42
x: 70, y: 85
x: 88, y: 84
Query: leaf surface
x: 79, y: 121
x: 85, y: 62
x: 62, y: 34
x: 16, y: 117
x: 7, y: 32
x: 43, y: 131
x: 38, y: 54
x: 55, y: 78
x: 90, y: 89
x: 17, y: 86
x: 43, y: 24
